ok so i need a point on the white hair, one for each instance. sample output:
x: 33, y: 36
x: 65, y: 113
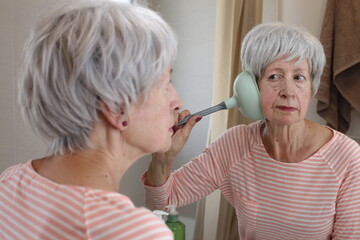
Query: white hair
x: 268, y: 42
x: 84, y: 51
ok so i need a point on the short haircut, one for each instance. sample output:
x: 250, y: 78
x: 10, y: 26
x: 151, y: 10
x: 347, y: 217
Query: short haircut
x: 268, y: 42
x: 83, y: 51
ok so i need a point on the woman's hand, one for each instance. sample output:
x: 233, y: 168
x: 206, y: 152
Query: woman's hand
x: 181, y: 133
x: 161, y: 164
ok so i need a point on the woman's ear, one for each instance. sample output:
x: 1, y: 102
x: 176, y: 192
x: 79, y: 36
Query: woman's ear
x: 117, y: 120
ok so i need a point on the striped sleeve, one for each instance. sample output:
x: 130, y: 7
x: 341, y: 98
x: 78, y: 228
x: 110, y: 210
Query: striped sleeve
x: 202, y: 175
x: 347, y: 218
x: 182, y: 187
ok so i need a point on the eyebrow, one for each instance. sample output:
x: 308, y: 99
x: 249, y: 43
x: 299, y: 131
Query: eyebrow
x: 301, y: 69
x: 277, y: 69
x: 282, y: 70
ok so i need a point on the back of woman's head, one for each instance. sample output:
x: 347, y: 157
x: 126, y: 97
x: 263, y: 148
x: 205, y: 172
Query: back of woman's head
x: 84, y: 51
x: 268, y: 42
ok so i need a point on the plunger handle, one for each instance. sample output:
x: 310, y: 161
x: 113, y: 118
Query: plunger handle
x: 205, y: 112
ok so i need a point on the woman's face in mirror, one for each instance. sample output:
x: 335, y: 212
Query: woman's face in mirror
x: 285, y: 90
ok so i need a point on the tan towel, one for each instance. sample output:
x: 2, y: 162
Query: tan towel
x: 339, y: 90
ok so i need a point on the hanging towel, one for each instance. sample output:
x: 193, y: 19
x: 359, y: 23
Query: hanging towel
x: 339, y: 89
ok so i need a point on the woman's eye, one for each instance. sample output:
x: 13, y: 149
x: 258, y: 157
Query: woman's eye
x: 299, y: 77
x: 274, y: 77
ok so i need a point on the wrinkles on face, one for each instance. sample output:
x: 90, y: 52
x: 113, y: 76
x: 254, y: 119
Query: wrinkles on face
x: 285, y: 88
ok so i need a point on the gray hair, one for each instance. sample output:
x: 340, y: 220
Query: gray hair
x: 268, y: 42
x: 83, y: 51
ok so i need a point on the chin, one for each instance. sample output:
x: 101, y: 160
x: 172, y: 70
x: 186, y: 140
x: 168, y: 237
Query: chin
x: 284, y: 119
x: 288, y: 121
x: 164, y: 148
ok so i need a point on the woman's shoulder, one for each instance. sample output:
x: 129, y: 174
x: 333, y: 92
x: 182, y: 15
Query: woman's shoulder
x: 113, y: 201
x: 119, y: 214
x: 251, y: 128
x: 341, y: 148
x: 341, y: 142
x: 14, y: 169
x: 106, y: 197
x: 247, y: 132
x: 240, y: 138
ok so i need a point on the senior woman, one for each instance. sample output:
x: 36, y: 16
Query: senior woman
x: 95, y: 83
x: 286, y: 177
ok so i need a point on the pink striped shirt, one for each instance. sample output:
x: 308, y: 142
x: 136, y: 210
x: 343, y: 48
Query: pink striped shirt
x: 33, y: 207
x: 318, y: 198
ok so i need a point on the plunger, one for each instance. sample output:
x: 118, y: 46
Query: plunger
x: 246, y: 98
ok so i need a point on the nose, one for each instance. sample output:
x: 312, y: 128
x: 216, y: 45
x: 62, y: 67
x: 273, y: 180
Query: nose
x: 287, y: 88
x: 176, y: 103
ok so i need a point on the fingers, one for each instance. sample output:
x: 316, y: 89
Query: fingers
x: 181, y: 133
x: 190, y: 123
x: 193, y: 120
x: 178, y: 117
x: 183, y: 115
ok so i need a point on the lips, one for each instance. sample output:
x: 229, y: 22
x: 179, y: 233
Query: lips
x: 174, y: 128
x: 286, y: 108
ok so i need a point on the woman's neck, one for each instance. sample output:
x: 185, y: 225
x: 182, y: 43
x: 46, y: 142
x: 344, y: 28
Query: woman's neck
x: 85, y: 168
x: 288, y: 143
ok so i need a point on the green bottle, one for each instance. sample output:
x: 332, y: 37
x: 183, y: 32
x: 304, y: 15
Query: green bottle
x: 177, y: 227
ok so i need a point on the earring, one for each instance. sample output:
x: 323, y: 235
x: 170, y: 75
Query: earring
x: 124, y: 123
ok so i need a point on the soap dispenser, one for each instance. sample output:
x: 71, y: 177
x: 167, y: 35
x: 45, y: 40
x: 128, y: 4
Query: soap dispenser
x: 173, y: 222
x: 160, y: 214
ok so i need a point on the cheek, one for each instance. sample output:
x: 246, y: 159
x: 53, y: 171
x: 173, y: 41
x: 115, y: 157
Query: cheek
x: 305, y: 98
x: 267, y: 98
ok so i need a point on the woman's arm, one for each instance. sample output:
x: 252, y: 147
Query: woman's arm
x: 347, y: 216
x: 200, y: 176
x: 188, y: 184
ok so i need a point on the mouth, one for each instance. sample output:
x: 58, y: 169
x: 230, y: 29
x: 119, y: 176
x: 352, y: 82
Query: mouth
x: 174, y: 128
x: 286, y: 108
